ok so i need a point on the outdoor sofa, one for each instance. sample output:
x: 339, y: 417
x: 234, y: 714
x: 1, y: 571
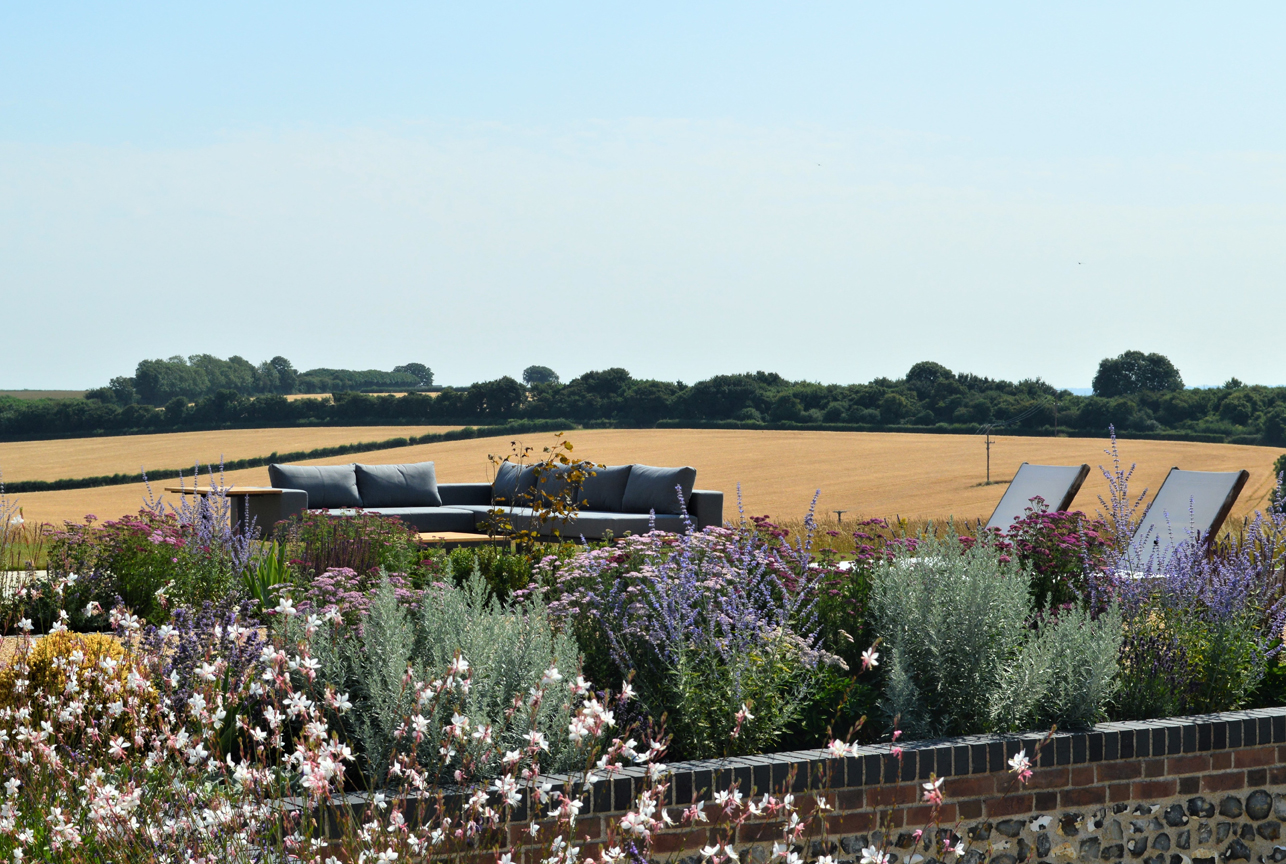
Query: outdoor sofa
x: 618, y: 499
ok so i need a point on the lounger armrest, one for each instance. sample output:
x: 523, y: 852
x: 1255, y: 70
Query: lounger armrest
x: 464, y: 493
x: 706, y: 508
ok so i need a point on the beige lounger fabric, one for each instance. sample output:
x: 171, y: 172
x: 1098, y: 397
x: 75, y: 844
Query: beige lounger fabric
x: 1188, y: 504
x: 1056, y: 485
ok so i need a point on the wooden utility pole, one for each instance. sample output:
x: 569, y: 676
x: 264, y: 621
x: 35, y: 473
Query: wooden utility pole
x: 988, y: 456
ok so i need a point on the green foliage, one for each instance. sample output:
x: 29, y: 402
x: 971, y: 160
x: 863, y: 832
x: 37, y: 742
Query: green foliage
x: 1136, y: 392
x: 503, y: 571
x: 151, y: 562
x: 1135, y: 372
x: 539, y: 375
x: 263, y: 580
x: 961, y: 656
x: 509, y: 650
x: 363, y: 542
x: 1178, y: 661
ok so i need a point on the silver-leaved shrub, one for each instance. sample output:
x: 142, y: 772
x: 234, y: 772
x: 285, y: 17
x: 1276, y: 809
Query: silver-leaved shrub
x: 962, y: 657
x: 509, y: 650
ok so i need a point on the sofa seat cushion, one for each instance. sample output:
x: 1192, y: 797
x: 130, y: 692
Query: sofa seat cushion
x: 422, y: 518
x: 604, y: 489
x: 593, y: 524
x: 414, y: 485
x: 518, y: 517
x: 328, y: 486
x: 652, y: 489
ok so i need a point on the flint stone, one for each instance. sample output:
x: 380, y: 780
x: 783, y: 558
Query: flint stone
x: 1161, y: 842
x: 1120, y: 808
x: 854, y: 845
x: 1137, y: 846
x: 1010, y: 827
x: 1116, y: 850
x: 1237, y: 851
x: 1258, y: 805
x: 1230, y: 806
x: 1069, y: 825
x: 1114, y: 831
x: 1270, y: 830
x: 1183, y: 839
x: 1089, y: 848
x: 1003, y: 859
x: 1199, y: 806
x: 1222, y: 831
x: 1203, y: 832
x: 1042, y: 845
x: 1174, y: 816
x: 981, y: 831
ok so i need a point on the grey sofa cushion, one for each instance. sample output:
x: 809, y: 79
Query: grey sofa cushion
x: 414, y: 485
x: 552, y: 484
x: 328, y: 486
x: 605, y: 490
x: 592, y: 525
x: 430, y: 518
x: 513, y: 484
x: 652, y: 489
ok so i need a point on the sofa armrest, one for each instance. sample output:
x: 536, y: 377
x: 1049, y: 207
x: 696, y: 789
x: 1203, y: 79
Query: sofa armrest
x: 265, y: 511
x: 706, y: 508
x: 464, y: 493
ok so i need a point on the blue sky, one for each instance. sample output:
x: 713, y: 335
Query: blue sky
x: 830, y: 191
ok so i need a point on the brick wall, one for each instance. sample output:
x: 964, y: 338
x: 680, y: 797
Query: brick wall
x: 1174, y: 791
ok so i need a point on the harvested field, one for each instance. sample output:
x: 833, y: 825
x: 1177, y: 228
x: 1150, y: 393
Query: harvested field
x: 865, y: 473
x: 123, y: 454
x: 44, y: 394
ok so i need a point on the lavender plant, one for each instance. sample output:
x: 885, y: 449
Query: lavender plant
x: 705, y: 626
x: 1207, y: 620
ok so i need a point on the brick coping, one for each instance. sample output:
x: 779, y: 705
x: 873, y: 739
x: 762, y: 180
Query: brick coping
x: 873, y: 765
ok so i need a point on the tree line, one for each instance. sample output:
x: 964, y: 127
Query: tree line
x: 1140, y: 394
x: 157, y: 382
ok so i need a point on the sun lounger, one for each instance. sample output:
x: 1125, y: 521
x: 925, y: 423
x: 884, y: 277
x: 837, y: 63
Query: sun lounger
x: 1189, y: 504
x: 1056, y: 485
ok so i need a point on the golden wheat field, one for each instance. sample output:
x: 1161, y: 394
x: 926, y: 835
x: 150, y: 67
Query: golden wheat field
x: 867, y: 474
x: 124, y: 454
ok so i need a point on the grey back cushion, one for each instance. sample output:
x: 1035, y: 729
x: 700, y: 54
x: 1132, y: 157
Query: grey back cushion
x: 414, y: 485
x: 604, y: 490
x: 552, y: 484
x: 328, y: 486
x: 513, y: 484
x: 652, y: 489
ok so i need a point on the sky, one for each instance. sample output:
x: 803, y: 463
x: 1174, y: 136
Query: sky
x: 829, y: 191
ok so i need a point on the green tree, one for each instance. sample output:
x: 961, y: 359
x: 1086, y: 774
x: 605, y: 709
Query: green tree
x: 1135, y: 372
x: 893, y: 407
x: 539, y: 375
x: 421, y: 372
